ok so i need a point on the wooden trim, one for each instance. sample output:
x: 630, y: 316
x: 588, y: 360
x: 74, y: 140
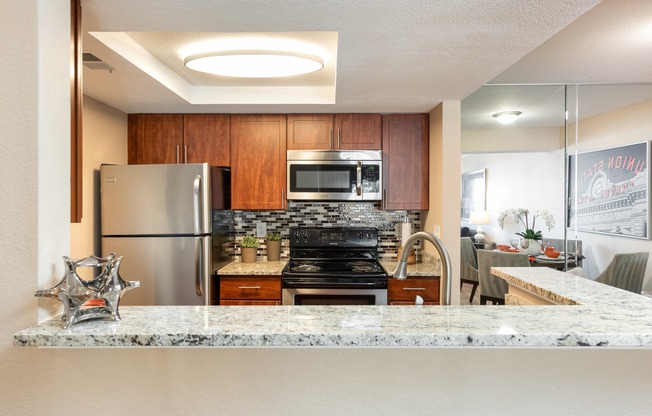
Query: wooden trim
x: 76, y: 160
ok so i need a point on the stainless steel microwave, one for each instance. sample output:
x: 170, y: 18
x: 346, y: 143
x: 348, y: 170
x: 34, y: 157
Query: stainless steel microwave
x: 332, y: 175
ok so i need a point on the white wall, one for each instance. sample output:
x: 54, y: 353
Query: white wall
x: 520, y: 180
x: 34, y: 233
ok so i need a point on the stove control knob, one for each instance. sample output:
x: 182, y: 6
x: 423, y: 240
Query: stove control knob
x: 364, y: 235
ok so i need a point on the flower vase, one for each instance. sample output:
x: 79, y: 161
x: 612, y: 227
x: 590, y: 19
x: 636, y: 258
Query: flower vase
x: 531, y: 247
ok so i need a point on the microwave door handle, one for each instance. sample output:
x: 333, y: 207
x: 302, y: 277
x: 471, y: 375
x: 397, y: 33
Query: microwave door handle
x: 358, y: 188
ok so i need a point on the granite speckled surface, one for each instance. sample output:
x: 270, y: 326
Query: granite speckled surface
x: 274, y: 268
x: 260, y: 267
x: 603, y: 317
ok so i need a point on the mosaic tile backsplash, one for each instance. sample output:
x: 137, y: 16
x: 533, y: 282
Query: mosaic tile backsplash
x: 316, y: 214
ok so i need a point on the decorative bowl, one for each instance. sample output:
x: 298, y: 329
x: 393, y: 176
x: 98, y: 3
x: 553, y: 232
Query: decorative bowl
x: 553, y: 254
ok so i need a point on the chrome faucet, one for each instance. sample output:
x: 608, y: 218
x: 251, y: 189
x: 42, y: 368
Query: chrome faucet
x: 400, y: 271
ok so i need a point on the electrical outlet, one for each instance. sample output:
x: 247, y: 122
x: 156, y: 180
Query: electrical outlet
x: 261, y: 229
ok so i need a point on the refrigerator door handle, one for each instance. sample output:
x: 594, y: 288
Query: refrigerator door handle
x: 199, y: 269
x: 196, y: 199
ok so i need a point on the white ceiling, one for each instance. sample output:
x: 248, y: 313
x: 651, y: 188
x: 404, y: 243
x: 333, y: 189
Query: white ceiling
x: 391, y: 55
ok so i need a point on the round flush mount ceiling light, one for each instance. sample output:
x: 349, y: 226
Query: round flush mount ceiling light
x: 254, y: 63
x: 507, y: 117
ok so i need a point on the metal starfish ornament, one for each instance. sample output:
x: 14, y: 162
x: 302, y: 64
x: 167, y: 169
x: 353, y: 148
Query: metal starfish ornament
x: 98, y: 298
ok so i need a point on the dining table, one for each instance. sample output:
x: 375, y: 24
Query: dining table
x: 561, y: 263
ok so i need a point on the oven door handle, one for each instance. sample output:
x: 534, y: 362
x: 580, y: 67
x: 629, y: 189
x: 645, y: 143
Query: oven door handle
x: 362, y: 285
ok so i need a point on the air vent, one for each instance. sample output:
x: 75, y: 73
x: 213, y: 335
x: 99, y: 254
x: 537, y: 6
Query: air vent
x: 93, y: 62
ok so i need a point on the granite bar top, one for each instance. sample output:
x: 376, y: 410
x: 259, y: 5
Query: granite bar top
x: 602, y: 317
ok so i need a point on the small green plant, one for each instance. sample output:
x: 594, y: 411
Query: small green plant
x: 273, y: 237
x: 249, y: 241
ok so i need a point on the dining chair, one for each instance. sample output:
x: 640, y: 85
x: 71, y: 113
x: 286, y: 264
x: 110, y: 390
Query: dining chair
x: 573, y: 247
x: 626, y: 271
x: 469, y: 265
x: 493, y: 288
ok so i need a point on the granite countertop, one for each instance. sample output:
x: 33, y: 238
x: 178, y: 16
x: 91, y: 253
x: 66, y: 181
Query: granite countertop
x: 274, y: 268
x: 260, y: 267
x: 602, y: 317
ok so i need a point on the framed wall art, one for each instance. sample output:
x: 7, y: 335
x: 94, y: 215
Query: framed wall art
x: 608, y: 190
x: 473, y: 192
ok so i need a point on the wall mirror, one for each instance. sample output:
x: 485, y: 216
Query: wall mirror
x: 526, y: 162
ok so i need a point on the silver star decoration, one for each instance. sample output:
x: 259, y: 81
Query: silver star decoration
x: 98, y: 298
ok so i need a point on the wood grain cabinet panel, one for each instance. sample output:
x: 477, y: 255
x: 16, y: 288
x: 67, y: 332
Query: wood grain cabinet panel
x: 250, y: 290
x: 155, y: 138
x: 258, y: 161
x: 404, y: 292
x: 334, y: 131
x: 206, y: 139
x: 405, y: 161
x: 358, y: 131
x: 179, y: 138
x: 310, y: 131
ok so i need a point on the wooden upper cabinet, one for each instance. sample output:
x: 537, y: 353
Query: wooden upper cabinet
x: 310, y: 131
x: 179, y: 138
x: 358, y: 131
x: 155, y: 138
x: 206, y: 139
x: 405, y: 161
x: 258, y: 161
x: 334, y: 131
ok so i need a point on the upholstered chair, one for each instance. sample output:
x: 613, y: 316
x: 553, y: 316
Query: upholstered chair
x: 469, y: 265
x: 626, y: 271
x: 493, y: 288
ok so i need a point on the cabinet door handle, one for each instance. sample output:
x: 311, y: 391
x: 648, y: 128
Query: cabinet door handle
x: 177, y: 153
x: 414, y: 288
x: 282, y: 198
x: 330, y: 141
x: 185, y: 154
x: 339, y: 137
x: 248, y: 287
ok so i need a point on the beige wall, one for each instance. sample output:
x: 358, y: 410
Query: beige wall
x: 348, y: 381
x: 105, y: 141
x: 444, y: 212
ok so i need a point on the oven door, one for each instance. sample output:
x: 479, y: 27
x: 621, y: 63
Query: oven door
x: 335, y: 296
x: 334, y: 180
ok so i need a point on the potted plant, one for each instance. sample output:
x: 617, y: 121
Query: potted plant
x: 249, y: 248
x: 273, y: 242
x: 531, y: 239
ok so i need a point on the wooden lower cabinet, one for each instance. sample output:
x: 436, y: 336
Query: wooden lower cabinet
x: 250, y: 290
x: 404, y: 292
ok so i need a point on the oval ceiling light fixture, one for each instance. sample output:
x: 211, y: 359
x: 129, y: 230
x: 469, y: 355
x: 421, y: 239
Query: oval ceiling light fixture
x: 507, y: 117
x: 254, y: 63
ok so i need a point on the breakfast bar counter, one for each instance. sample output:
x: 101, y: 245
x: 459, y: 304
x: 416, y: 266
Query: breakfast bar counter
x: 589, y: 314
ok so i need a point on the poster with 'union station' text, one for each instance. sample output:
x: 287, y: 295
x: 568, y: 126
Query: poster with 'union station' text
x: 608, y: 190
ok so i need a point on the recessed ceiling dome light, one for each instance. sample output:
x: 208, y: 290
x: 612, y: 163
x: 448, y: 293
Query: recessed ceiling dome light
x: 507, y: 117
x: 254, y: 63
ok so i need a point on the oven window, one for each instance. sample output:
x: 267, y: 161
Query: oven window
x: 322, y: 178
x: 334, y: 299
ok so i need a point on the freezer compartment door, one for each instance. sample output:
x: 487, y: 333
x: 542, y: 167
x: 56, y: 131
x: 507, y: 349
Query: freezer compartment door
x: 171, y: 270
x: 155, y: 199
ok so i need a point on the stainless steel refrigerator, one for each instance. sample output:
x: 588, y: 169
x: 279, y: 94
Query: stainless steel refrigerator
x: 159, y: 218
